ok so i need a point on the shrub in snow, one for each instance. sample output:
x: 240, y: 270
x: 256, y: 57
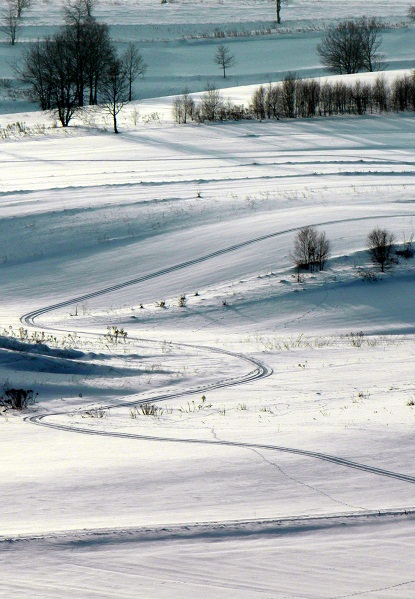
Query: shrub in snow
x: 17, y: 399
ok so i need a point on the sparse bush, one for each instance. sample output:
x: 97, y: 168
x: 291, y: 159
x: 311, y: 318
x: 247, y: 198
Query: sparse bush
x: 148, y: 409
x: 407, y: 250
x: 367, y: 275
x: 356, y: 339
x: 182, y: 301
x: 114, y: 335
x: 17, y: 399
x: 95, y: 413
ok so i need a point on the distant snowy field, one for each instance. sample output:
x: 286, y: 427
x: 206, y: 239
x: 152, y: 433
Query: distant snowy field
x: 177, y: 39
x: 278, y: 462
x: 193, y: 12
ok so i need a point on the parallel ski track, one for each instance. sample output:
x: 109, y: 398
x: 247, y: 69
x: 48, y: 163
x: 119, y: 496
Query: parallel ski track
x: 260, y: 370
x: 302, y: 452
x: 29, y: 318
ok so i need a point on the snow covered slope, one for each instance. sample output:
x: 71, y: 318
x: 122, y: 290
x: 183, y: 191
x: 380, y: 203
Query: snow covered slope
x: 208, y: 424
x: 303, y: 435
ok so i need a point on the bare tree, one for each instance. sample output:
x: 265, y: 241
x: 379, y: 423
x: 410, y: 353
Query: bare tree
x: 62, y: 77
x: 341, y: 48
x: 90, y: 45
x: 259, y: 98
x: 9, y: 22
x: 114, y: 89
x: 89, y: 6
x: 76, y: 11
x: 211, y: 103
x: 411, y: 13
x: 288, y: 95
x: 381, y: 93
x: 304, y: 247
x: 21, y: 5
x: 311, y: 249
x: 34, y: 71
x: 323, y: 249
x: 224, y: 58
x: 370, y: 31
x: 97, y: 53
x: 135, y: 66
x: 183, y: 107
x: 380, y: 244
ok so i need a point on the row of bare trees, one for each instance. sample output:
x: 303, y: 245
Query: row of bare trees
x: 302, y: 98
x: 309, y: 97
x: 79, y: 66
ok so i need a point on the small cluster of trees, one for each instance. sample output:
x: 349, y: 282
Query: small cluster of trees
x: 312, y: 249
x: 352, y: 46
x: 212, y: 106
x: 309, y: 97
x: 79, y: 65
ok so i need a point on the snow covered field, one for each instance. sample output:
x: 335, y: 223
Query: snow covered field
x: 277, y: 457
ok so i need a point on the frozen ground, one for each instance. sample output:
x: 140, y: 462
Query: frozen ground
x: 278, y: 462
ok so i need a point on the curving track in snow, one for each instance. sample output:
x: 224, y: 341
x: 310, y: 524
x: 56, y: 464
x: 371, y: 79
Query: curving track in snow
x: 259, y: 370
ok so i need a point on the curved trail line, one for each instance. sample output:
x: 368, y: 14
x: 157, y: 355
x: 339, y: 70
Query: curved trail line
x: 260, y: 370
x: 29, y: 318
x: 280, y: 448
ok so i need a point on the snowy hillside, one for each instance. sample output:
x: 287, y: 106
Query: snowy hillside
x: 208, y: 422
